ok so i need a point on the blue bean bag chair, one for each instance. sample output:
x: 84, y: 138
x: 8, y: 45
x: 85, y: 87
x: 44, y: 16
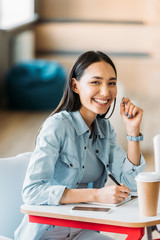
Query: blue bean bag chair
x: 35, y: 85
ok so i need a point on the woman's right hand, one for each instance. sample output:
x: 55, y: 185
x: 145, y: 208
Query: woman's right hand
x: 112, y: 194
x: 109, y: 194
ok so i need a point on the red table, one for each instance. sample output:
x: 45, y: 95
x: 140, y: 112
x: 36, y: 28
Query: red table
x: 124, y: 219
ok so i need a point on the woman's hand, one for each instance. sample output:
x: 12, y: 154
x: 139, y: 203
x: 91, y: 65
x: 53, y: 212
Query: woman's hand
x: 132, y: 116
x: 112, y: 194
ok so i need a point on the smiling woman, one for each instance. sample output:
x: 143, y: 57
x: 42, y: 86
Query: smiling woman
x: 76, y: 147
x: 97, y: 90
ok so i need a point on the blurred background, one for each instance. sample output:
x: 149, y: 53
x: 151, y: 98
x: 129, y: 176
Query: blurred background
x: 59, y: 31
x: 41, y: 39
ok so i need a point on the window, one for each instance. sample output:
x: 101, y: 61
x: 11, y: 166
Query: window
x: 15, y: 12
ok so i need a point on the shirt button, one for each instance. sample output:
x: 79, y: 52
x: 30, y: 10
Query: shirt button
x: 77, y: 183
x: 71, y: 165
x: 84, y: 147
x: 97, y: 151
x: 133, y: 169
x: 107, y: 165
x: 83, y: 166
x: 87, y: 131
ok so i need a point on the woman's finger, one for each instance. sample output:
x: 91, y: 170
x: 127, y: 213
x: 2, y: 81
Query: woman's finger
x: 137, y: 110
x: 127, y: 107
x: 124, y: 189
x: 123, y: 106
x: 130, y: 111
x: 125, y: 102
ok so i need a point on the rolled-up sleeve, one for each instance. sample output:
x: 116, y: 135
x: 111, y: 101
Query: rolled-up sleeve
x: 40, y: 187
x: 130, y: 168
x: 122, y: 169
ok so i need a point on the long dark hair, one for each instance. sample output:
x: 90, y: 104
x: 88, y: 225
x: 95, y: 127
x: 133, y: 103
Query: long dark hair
x: 70, y: 100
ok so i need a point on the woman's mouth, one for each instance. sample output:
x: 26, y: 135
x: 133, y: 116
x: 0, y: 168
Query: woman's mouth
x: 101, y: 101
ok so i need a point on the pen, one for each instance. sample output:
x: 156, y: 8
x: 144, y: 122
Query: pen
x: 114, y: 180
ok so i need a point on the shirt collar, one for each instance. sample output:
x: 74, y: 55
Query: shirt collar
x: 79, y: 123
x: 97, y: 128
x: 81, y: 127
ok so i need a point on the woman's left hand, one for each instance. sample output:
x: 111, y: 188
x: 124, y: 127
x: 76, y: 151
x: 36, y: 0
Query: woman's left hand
x: 132, y: 116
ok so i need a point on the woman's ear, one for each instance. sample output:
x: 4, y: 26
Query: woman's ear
x: 74, y: 85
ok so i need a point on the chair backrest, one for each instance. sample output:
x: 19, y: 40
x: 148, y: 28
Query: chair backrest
x: 12, y: 174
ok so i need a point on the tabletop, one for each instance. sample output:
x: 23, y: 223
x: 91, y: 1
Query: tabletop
x: 126, y: 215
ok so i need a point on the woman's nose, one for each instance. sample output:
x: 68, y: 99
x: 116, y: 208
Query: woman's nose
x: 104, y: 91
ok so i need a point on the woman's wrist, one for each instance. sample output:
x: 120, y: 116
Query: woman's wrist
x: 135, y: 138
x: 94, y: 195
x: 133, y: 132
x: 79, y: 195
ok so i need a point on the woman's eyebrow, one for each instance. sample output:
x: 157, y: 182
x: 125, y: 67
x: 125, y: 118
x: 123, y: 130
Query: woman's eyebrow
x: 101, y: 78
x: 97, y: 77
x: 113, y: 78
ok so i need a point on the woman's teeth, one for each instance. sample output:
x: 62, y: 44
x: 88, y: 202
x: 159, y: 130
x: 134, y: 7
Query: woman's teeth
x: 101, y: 101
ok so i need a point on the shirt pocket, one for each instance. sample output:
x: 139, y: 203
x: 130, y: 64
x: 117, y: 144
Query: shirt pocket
x: 67, y: 169
x: 104, y: 159
x: 70, y: 161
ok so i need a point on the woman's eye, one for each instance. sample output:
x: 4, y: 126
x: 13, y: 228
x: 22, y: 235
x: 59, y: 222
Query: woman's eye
x: 112, y: 83
x: 95, y: 82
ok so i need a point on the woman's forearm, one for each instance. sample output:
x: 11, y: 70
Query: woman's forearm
x: 78, y: 195
x: 132, y: 117
x: 110, y: 194
x: 134, y: 149
x: 134, y: 153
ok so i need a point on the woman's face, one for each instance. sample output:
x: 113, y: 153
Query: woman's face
x: 97, y: 88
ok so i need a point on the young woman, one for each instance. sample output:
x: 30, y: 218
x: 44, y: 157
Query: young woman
x: 77, y: 147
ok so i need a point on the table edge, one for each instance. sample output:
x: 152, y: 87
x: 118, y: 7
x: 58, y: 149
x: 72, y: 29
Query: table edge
x: 91, y: 220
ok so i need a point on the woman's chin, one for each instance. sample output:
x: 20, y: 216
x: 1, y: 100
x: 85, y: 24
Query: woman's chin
x: 102, y: 111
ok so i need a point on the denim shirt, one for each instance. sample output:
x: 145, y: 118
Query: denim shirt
x: 58, y: 162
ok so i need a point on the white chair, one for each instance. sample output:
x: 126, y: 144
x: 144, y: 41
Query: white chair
x: 12, y: 174
x: 4, y: 238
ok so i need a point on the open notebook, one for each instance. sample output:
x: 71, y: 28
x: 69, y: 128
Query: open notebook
x: 116, y: 204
